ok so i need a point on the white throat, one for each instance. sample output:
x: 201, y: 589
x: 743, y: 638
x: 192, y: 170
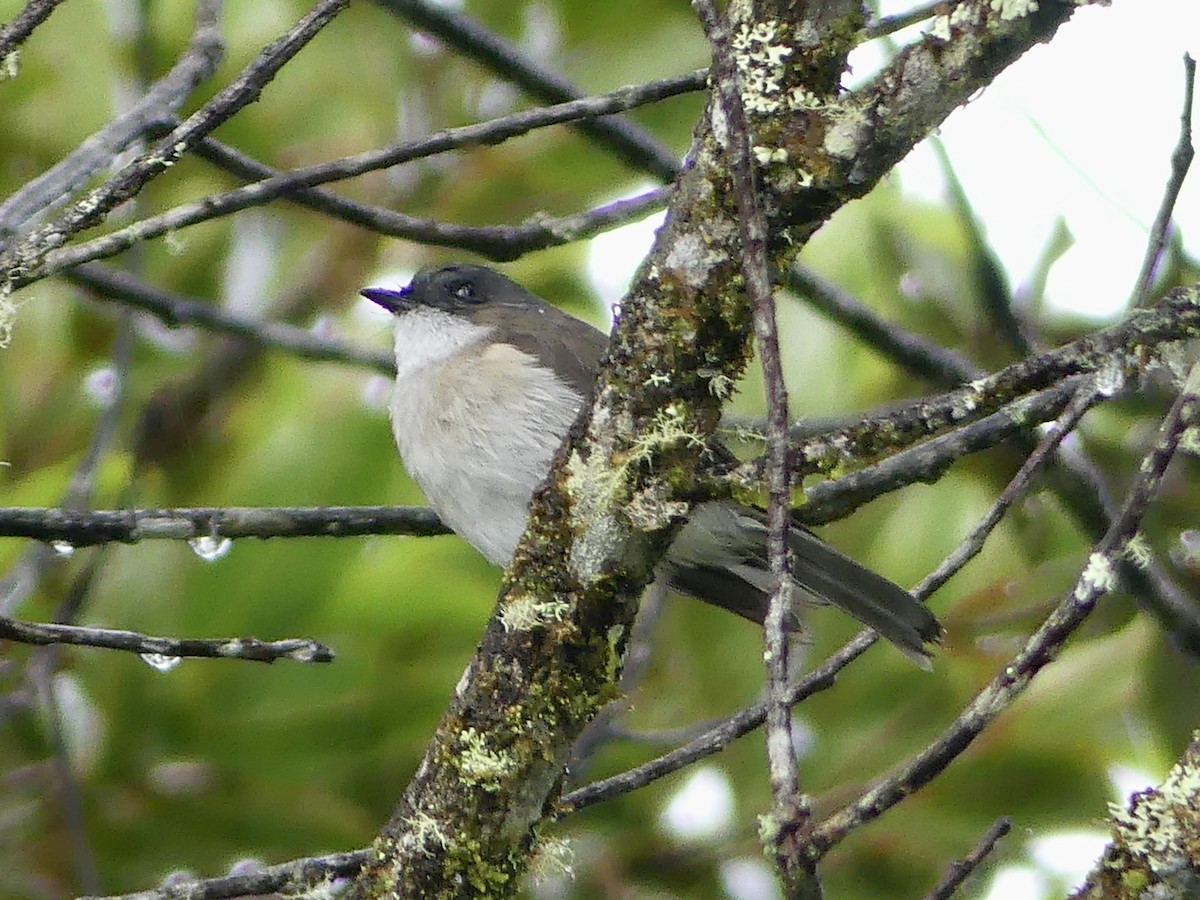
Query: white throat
x: 425, y: 338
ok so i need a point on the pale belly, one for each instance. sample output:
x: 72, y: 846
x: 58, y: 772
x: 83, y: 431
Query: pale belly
x: 479, y: 451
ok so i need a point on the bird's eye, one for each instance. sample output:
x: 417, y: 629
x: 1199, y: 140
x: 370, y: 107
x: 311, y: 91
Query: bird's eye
x: 464, y: 291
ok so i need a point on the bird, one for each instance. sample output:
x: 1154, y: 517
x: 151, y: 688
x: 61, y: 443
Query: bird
x: 489, y: 379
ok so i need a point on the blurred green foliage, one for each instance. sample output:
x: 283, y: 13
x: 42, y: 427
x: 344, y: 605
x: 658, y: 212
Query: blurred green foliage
x: 218, y: 760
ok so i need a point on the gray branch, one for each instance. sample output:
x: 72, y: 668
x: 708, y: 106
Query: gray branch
x: 54, y: 187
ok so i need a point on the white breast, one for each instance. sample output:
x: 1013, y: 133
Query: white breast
x: 476, y: 424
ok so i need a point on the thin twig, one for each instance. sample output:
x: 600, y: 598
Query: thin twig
x: 1181, y: 161
x: 623, y: 138
x: 790, y: 809
x: 24, y: 262
x: 79, y: 528
x: 962, y: 869
x: 261, y: 192
x: 1098, y: 578
x: 54, y: 187
x: 496, y: 242
x: 1017, y: 487
x: 829, y: 501
x: 175, y: 310
x: 14, y: 32
x: 42, y: 634
x: 291, y: 878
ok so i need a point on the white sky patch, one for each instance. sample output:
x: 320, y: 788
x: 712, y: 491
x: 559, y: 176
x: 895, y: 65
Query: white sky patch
x: 701, y: 809
x: 1068, y: 855
x: 1063, y: 131
x: 1017, y: 881
x: 1127, y: 780
x: 614, y: 255
x: 749, y: 878
x: 1066, y: 131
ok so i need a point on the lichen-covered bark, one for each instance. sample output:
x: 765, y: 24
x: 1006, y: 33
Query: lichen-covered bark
x: 551, y: 654
x: 1155, y: 850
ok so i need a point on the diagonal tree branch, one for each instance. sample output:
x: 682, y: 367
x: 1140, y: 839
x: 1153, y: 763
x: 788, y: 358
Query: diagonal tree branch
x: 54, y: 187
x: 14, y: 32
x: 25, y: 261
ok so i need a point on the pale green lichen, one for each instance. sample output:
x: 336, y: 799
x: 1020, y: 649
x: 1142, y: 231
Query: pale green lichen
x: 552, y: 858
x: 691, y: 260
x: 964, y: 15
x: 1189, y: 441
x: 525, y: 612
x: 652, y: 508
x: 767, y: 155
x: 8, y: 315
x: 1150, y: 828
x: 1137, y: 551
x: 1014, y: 9
x: 720, y: 385
x: 847, y: 132
x: 599, y: 487
x: 481, y: 764
x: 759, y: 56
x: 424, y: 835
x: 10, y: 66
x: 1099, y: 577
x: 769, y: 829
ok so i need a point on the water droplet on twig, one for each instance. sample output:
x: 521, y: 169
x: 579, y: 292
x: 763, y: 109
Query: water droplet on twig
x: 210, y: 548
x: 160, y: 662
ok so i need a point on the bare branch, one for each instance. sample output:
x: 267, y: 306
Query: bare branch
x: 1181, y: 161
x: 14, y: 32
x: 299, y: 649
x: 80, y: 528
x: 961, y: 870
x: 914, y: 352
x: 285, y: 878
x: 497, y: 242
x: 790, y: 810
x: 1016, y: 489
x: 25, y: 261
x: 309, y: 176
x: 174, y: 310
x: 991, y: 284
x: 54, y: 187
x: 623, y: 138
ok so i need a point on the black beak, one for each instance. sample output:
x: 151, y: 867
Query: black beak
x: 392, y: 301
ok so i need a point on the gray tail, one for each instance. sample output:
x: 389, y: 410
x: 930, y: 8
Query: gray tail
x: 822, y: 575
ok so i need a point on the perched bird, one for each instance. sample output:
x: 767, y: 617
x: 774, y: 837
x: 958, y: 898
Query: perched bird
x: 489, y: 378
